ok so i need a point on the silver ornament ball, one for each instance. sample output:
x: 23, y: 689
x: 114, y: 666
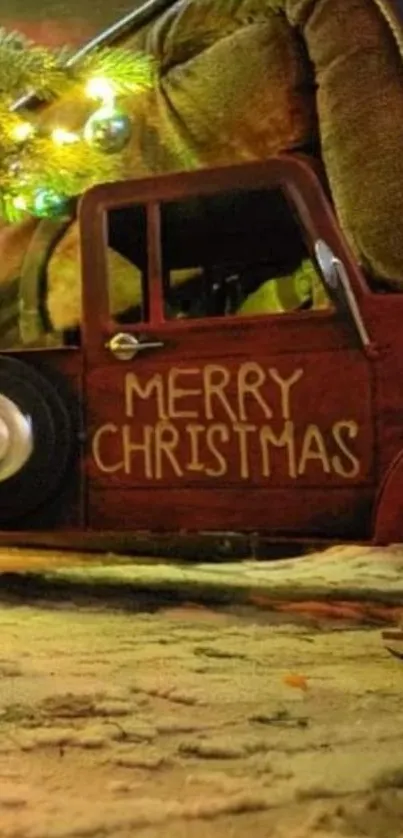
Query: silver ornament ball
x: 47, y: 203
x: 108, y: 129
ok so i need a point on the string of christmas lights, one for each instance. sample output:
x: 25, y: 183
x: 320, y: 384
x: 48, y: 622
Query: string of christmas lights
x: 42, y: 169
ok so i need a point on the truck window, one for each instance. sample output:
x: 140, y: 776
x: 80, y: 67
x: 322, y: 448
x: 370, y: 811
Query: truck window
x: 127, y: 268
x: 231, y: 254
x: 236, y: 254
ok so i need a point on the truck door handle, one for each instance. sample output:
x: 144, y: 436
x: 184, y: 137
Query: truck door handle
x: 125, y: 346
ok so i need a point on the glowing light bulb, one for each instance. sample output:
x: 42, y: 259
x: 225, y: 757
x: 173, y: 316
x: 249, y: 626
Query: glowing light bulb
x: 100, y: 88
x: 62, y: 137
x: 22, y: 131
x: 20, y: 202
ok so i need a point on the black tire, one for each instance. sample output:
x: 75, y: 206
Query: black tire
x: 47, y: 419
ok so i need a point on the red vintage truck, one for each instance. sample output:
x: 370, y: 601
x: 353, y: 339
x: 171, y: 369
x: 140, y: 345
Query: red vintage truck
x: 188, y: 416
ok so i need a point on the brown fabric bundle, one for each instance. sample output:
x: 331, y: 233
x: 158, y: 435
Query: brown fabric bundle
x: 234, y: 86
x: 359, y: 76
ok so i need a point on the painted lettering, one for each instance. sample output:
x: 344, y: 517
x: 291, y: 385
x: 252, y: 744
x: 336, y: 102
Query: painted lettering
x: 285, y: 439
x: 166, y: 443
x: 215, y: 391
x: 97, y: 442
x: 285, y: 385
x: 313, y: 449
x: 176, y: 393
x: 243, y: 430
x: 251, y: 378
x: 214, y: 421
x: 222, y: 466
x: 354, y: 468
x: 144, y: 448
x: 195, y: 433
x: 153, y: 387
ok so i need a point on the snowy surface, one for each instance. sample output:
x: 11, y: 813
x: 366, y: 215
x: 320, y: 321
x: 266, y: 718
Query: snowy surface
x: 362, y: 569
x: 199, y: 720
x: 347, y: 571
x: 195, y: 723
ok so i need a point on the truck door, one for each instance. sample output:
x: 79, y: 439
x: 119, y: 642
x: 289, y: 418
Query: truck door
x: 231, y: 400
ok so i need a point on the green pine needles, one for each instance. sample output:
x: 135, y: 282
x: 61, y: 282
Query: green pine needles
x: 40, y: 169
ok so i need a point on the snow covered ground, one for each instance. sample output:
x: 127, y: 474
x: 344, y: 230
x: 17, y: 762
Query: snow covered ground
x: 196, y: 722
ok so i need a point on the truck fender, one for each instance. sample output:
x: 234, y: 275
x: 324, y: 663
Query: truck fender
x: 388, y: 511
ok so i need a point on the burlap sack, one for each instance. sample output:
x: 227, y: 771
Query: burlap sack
x: 355, y: 47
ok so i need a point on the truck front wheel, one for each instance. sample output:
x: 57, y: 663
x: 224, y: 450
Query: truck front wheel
x: 35, y: 439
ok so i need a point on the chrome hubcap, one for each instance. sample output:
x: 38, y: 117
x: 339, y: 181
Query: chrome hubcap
x: 16, y: 438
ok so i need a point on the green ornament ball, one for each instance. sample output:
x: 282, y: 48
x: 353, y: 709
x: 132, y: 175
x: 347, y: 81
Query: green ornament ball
x: 49, y: 204
x: 108, y: 129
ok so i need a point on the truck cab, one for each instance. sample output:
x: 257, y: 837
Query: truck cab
x: 254, y: 385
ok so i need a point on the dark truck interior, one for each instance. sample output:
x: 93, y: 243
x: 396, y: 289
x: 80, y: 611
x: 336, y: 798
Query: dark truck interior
x: 225, y: 245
